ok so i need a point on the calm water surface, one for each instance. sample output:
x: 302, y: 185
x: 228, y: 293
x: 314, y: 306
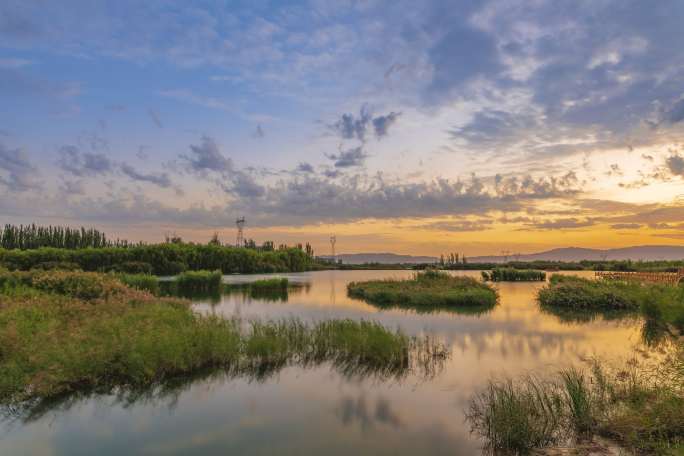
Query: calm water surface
x: 318, y: 410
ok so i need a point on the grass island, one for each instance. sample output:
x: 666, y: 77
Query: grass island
x: 426, y: 290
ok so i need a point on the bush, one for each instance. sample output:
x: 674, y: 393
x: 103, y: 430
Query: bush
x: 164, y: 259
x: 57, y: 265
x: 82, y: 285
x: 133, y: 267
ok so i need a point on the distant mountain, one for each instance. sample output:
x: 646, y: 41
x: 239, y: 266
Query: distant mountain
x: 382, y: 258
x: 641, y: 252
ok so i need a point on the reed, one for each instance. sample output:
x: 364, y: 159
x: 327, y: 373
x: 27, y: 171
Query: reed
x: 145, y: 282
x: 641, y: 406
x: 657, y: 303
x: 514, y: 275
x: 199, y: 281
x: 55, y: 341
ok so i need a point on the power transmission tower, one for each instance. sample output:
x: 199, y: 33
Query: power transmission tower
x: 505, y: 253
x: 240, y: 233
x: 333, y: 240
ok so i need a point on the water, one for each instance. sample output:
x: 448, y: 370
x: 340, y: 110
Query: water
x: 317, y: 410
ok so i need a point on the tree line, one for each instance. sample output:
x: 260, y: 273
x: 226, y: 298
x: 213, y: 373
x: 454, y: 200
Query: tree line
x: 25, y: 237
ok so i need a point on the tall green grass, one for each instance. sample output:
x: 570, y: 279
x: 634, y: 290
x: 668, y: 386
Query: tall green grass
x: 642, y: 407
x: 658, y: 303
x: 58, y: 340
x: 514, y: 275
x: 426, y: 290
x: 145, y: 282
x: 276, y: 283
x: 199, y: 281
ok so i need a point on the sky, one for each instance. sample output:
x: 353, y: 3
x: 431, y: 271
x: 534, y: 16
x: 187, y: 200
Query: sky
x: 415, y: 127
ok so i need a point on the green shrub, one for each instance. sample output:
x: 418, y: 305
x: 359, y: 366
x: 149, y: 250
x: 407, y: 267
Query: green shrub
x: 133, y: 267
x: 164, y: 259
x: 58, y: 265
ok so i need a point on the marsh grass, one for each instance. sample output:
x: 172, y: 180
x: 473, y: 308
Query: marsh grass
x: 272, y: 289
x: 641, y: 406
x: 145, y: 282
x: 426, y: 291
x: 199, y: 281
x: 276, y: 283
x: 514, y: 275
x: 55, y: 342
x: 659, y: 304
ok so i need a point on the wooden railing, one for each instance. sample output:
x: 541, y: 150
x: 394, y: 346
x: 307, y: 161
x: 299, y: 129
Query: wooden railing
x: 667, y: 278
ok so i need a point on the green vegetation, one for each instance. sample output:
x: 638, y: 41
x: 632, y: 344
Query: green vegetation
x: 276, y: 283
x: 657, y: 303
x: 514, y: 275
x: 33, y: 237
x: 642, y: 407
x: 145, y: 282
x: 199, y: 281
x: 69, y: 332
x: 427, y: 290
x: 272, y: 289
x: 164, y: 259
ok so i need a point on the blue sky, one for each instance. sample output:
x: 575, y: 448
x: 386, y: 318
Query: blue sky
x: 416, y: 127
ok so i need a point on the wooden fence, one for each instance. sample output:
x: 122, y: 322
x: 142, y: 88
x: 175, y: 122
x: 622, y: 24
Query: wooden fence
x: 667, y: 278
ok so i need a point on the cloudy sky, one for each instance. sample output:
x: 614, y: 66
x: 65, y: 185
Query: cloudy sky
x: 408, y: 126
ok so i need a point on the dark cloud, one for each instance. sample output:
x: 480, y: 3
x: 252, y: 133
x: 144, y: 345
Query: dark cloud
x: 626, y: 226
x: 348, y: 158
x: 162, y: 179
x: 381, y: 124
x: 19, y: 173
x: 561, y: 224
x: 244, y: 185
x: 675, y: 164
x: 332, y: 173
x: 83, y: 164
x: 305, y: 168
x: 676, y: 113
x: 350, y: 126
x: 459, y: 226
x: 206, y: 157
x: 461, y: 54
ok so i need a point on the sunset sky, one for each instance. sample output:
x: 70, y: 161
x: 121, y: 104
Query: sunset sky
x: 403, y: 126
